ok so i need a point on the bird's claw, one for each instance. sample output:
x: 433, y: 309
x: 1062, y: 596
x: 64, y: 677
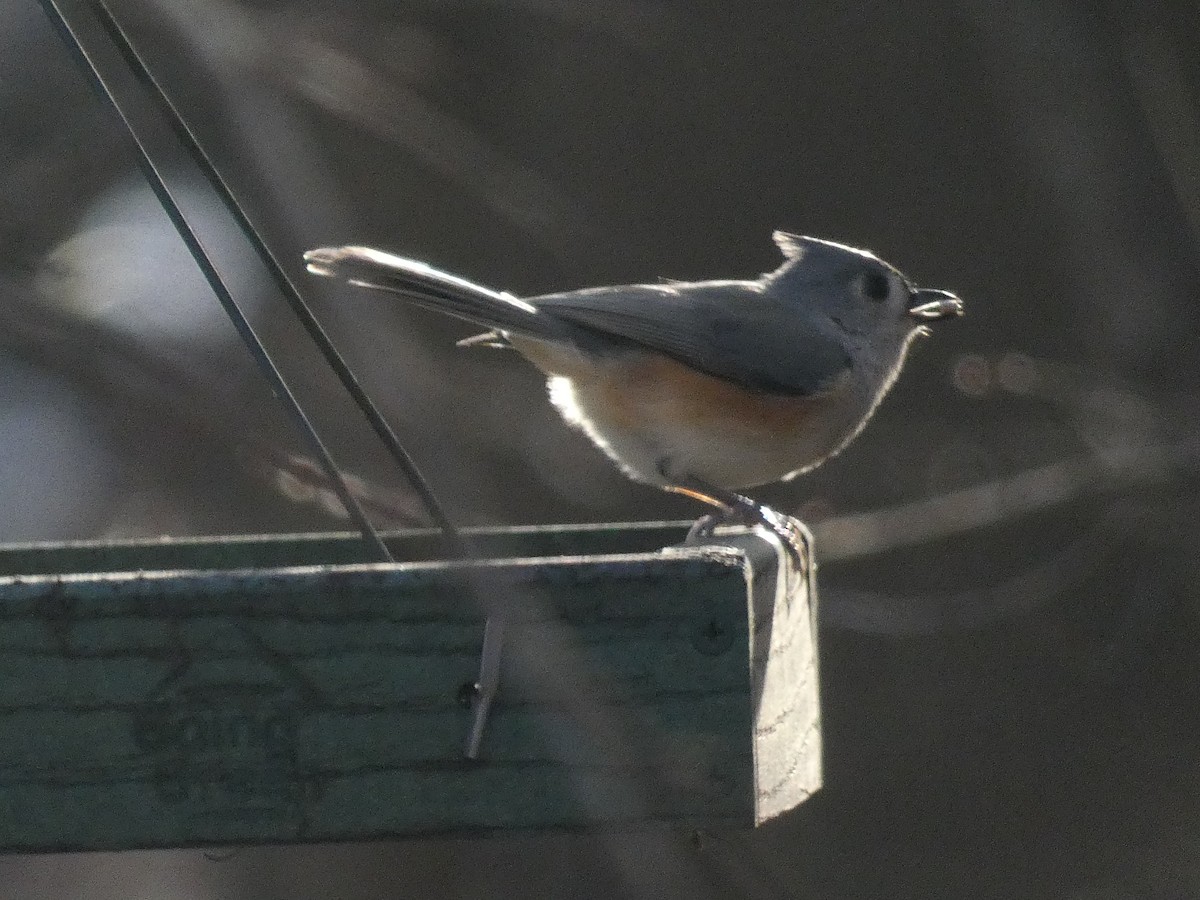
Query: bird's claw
x: 792, y: 535
x: 703, y: 528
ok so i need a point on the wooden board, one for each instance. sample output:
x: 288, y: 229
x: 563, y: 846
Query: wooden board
x: 143, y: 707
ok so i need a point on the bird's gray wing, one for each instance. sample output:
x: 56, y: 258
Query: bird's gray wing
x: 731, y: 329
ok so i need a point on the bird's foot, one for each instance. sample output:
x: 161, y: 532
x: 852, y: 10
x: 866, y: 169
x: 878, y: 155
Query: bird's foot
x: 737, y: 509
x: 791, y: 534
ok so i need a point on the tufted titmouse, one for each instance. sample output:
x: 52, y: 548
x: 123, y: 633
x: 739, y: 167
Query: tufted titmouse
x: 704, y: 388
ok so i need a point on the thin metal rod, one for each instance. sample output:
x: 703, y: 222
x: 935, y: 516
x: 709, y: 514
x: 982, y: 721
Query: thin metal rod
x: 251, y: 339
x: 488, y: 684
x: 286, y: 285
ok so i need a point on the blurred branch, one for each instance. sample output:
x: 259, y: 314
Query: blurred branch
x: 1124, y: 430
x: 347, y: 88
x: 1002, y: 499
x: 233, y: 41
x: 144, y: 390
x: 873, y: 612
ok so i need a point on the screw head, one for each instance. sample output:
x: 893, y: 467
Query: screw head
x: 466, y: 693
x: 712, y: 637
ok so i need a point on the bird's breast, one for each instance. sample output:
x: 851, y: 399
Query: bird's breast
x: 654, y: 388
x: 650, y: 413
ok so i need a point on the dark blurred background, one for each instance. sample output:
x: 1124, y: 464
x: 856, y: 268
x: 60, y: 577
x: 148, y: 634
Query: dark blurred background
x: 1009, y: 585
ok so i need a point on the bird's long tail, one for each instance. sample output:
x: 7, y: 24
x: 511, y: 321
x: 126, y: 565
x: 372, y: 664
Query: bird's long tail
x: 425, y: 286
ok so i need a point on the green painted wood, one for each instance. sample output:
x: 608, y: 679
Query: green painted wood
x: 182, y: 708
x: 272, y: 689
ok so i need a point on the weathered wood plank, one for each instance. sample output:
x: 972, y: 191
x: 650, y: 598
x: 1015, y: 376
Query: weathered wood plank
x: 175, y: 708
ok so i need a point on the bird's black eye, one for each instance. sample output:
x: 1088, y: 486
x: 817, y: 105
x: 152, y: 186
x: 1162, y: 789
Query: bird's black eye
x: 875, y: 285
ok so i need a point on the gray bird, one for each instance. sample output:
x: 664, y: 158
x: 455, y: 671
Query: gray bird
x: 705, y: 388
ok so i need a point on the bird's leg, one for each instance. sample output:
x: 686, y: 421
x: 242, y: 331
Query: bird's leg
x: 737, y: 509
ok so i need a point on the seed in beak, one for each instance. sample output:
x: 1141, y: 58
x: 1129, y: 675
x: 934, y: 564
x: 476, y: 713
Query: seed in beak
x: 930, y: 305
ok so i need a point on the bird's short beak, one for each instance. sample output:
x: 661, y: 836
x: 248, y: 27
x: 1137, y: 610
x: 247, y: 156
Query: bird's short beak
x: 929, y: 305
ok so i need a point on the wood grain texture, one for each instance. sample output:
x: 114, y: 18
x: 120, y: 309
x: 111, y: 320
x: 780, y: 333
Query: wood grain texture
x: 303, y: 703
